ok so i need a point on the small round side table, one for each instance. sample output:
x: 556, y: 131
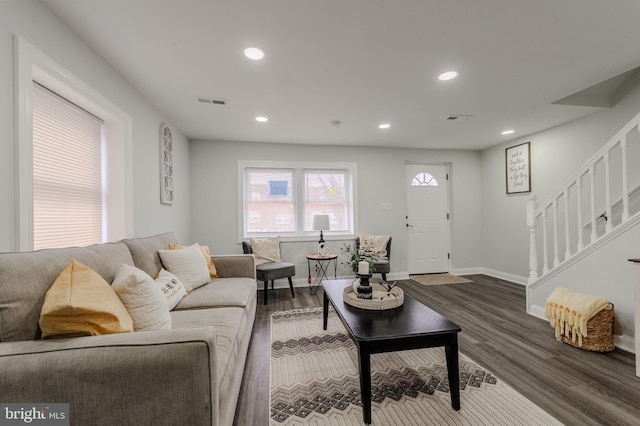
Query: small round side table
x: 323, y: 263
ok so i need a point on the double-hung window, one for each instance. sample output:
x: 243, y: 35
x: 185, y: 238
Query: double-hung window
x: 281, y: 198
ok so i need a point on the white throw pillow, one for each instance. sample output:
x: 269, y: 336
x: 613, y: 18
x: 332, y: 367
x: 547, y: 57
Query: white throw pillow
x: 378, y: 243
x: 188, y: 265
x: 266, y: 249
x: 142, y: 298
x: 172, y: 289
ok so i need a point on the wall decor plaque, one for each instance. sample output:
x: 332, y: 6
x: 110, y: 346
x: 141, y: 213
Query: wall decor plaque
x: 166, y: 165
x: 518, y: 168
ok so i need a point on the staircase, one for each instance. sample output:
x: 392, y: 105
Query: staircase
x: 598, y: 204
x: 593, y: 204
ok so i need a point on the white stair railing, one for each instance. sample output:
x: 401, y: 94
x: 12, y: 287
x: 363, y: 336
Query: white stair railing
x: 607, y: 176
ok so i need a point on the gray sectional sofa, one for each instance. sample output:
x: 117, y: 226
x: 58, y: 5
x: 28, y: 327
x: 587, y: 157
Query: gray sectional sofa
x: 189, y: 375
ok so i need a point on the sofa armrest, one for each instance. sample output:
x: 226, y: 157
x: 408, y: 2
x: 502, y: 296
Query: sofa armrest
x: 154, y: 377
x: 235, y: 265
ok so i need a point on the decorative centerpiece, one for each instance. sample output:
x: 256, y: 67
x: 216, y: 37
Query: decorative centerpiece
x: 383, y: 296
x: 374, y: 296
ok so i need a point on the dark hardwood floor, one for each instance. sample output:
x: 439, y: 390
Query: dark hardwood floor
x: 575, y: 386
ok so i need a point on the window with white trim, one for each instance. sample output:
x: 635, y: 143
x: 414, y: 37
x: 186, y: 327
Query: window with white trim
x: 286, y: 196
x: 33, y: 65
x: 67, y: 172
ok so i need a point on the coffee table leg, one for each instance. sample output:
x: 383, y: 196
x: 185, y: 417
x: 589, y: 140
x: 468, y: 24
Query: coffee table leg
x: 325, y: 311
x: 364, y: 359
x: 453, y: 370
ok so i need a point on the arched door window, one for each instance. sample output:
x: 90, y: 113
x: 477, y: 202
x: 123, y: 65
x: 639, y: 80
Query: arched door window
x: 424, y: 179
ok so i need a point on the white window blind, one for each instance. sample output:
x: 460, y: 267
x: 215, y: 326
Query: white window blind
x: 67, y: 173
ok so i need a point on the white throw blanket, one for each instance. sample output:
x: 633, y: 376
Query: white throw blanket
x: 569, y: 311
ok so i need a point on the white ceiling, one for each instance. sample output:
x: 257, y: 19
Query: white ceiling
x: 362, y: 62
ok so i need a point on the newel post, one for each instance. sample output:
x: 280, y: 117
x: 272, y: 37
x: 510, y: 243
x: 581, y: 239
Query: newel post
x: 533, y: 250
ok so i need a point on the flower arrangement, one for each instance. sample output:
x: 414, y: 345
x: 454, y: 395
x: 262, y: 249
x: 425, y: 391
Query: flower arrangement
x: 354, y: 256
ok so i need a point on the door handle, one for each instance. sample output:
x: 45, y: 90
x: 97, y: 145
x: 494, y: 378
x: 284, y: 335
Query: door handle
x: 408, y: 226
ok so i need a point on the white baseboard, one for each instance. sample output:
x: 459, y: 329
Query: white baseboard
x: 537, y: 311
x: 505, y: 276
x: 492, y: 273
x: 626, y: 343
x: 466, y: 271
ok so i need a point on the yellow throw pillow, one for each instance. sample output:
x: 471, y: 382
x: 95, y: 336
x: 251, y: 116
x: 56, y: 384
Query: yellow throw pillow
x: 213, y: 273
x: 81, y: 303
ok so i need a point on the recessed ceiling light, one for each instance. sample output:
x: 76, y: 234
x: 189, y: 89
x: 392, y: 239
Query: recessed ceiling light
x: 262, y: 119
x: 448, y: 75
x: 253, y: 53
x: 507, y: 132
x: 384, y: 126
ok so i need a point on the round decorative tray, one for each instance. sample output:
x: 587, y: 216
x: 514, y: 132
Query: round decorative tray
x: 382, y: 298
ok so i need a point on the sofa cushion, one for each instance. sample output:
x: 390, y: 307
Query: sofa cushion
x: 188, y: 265
x: 221, y: 292
x: 25, y: 277
x: 231, y: 330
x: 81, y: 303
x: 143, y: 299
x: 144, y: 251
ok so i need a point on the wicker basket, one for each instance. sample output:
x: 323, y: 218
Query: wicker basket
x: 599, y: 333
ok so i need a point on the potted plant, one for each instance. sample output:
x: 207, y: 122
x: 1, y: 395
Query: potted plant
x: 354, y: 256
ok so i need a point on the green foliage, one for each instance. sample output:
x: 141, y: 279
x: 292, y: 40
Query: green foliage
x: 353, y: 256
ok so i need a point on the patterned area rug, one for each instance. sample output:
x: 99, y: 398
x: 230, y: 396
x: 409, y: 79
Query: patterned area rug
x: 438, y: 279
x: 314, y: 381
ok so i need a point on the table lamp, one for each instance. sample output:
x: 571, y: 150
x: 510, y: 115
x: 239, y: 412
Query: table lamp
x: 321, y: 223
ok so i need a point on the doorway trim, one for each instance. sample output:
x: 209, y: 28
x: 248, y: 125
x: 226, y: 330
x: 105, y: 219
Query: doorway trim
x: 448, y: 207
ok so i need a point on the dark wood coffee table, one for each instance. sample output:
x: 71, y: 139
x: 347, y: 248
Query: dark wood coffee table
x: 411, y: 326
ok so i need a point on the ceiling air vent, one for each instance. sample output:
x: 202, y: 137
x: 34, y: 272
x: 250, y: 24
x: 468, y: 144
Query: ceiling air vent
x: 213, y: 101
x: 458, y: 117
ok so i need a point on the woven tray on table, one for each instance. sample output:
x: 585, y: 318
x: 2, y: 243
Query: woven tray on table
x: 599, y: 333
x: 383, y: 298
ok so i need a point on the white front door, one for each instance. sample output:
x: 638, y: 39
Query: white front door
x: 427, y: 220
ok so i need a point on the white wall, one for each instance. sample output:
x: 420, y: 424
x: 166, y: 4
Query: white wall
x: 30, y: 20
x: 556, y: 154
x: 214, y: 214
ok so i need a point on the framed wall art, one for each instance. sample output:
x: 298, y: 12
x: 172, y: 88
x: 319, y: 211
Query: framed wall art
x: 166, y: 165
x: 518, y: 167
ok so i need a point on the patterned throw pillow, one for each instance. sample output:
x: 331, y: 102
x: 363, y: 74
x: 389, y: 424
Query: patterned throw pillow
x: 171, y: 287
x: 378, y: 243
x: 266, y: 249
